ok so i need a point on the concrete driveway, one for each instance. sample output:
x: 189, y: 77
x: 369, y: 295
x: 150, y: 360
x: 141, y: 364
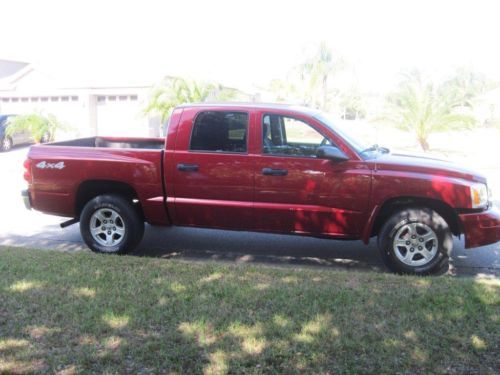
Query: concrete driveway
x: 19, y: 227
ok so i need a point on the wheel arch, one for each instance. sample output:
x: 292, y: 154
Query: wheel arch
x: 90, y: 189
x: 392, y: 205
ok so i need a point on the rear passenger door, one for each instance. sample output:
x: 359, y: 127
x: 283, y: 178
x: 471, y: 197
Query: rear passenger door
x: 213, y: 176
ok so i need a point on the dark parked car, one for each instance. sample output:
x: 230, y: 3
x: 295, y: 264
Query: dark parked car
x: 18, y: 138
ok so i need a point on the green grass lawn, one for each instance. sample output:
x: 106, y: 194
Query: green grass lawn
x: 90, y: 313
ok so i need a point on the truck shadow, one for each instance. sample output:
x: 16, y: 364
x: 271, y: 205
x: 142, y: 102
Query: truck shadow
x: 248, y: 247
x: 265, y: 248
x: 197, y: 244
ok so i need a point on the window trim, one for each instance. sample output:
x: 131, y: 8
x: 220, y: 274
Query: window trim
x: 262, y: 153
x: 219, y: 152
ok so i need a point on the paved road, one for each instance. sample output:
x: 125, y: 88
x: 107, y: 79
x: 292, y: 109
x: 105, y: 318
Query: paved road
x: 19, y: 227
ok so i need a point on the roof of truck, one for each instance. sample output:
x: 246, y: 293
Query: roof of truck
x: 292, y: 107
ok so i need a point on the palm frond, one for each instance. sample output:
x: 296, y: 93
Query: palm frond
x: 175, y: 91
x: 422, y: 107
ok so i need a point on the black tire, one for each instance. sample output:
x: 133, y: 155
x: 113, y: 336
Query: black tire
x: 402, y: 224
x: 6, y: 144
x: 129, y: 220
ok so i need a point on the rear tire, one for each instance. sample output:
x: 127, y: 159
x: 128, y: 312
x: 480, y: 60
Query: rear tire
x: 6, y: 144
x: 415, y: 241
x: 110, y: 224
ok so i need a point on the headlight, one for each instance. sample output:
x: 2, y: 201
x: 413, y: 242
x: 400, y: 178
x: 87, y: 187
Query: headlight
x: 479, y: 195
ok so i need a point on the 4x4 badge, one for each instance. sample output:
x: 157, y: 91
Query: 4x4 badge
x: 45, y: 165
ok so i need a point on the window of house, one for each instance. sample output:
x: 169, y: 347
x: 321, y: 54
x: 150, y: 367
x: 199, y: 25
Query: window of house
x: 283, y: 135
x: 220, y: 131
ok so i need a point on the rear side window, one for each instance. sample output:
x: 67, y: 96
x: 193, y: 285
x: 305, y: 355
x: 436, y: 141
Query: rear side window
x: 220, y: 131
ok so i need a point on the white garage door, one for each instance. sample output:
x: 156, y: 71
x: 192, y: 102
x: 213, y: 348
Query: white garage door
x: 120, y: 116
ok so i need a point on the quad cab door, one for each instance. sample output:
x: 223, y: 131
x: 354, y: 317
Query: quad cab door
x: 297, y: 191
x: 212, y: 172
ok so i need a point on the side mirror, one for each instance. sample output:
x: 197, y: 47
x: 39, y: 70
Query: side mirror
x: 331, y: 153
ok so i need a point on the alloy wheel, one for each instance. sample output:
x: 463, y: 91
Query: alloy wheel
x: 415, y: 244
x: 107, y: 227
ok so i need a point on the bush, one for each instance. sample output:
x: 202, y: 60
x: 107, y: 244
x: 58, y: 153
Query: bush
x: 41, y: 127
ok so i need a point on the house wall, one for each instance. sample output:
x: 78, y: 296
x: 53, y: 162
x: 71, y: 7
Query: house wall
x: 112, y: 112
x: 121, y: 114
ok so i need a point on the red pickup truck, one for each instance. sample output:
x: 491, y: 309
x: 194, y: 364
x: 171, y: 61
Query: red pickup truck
x: 269, y: 168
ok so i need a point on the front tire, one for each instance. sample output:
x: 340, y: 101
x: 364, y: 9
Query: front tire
x: 415, y: 241
x: 110, y: 224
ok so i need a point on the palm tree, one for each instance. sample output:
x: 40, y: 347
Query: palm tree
x: 175, y: 91
x: 422, y: 107
x: 310, y: 83
x: 316, y: 73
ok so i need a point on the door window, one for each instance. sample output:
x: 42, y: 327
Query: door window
x: 283, y: 135
x: 220, y: 131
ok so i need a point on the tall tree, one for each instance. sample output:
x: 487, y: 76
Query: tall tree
x: 317, y: 73
x: 311, y: 82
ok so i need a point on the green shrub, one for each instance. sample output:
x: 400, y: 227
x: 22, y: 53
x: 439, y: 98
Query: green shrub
x: 41, y: 127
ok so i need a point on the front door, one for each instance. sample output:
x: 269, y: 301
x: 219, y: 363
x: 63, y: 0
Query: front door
x: 297, y: 192
x: 214, y: 175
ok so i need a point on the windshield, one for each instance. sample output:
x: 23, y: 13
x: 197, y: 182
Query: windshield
x: 344, y: 131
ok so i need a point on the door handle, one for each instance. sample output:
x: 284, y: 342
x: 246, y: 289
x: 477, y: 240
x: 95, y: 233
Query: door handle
x: 274, y: 172
x: 187, y: 167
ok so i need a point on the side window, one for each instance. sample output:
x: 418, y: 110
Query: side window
x: 220, y: 131
x: 288, y: 136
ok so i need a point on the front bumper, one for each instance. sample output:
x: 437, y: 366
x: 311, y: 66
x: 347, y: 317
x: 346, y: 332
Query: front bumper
x: 26, y: 199
x: 481, y: 228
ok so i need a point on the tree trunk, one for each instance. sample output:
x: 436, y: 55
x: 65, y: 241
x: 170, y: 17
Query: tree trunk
x: 325, y: 91
x: 423, y: 143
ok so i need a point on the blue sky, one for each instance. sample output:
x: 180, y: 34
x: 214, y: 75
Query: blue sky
x: 242, y: 43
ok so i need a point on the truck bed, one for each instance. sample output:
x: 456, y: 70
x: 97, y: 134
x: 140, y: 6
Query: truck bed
x: 60, y: 171
x: 114, y: 142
